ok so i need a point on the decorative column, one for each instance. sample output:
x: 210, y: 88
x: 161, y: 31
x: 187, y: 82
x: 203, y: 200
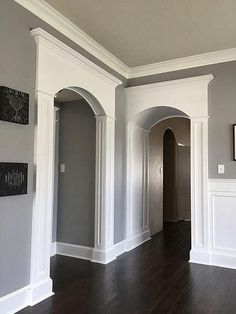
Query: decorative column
x: 41, y: 283
x: 199, y: 190
x: 104, y: 251
x: 137, y: 230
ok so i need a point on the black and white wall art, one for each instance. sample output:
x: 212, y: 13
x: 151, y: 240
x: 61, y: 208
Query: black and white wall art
x: 13, y: 178
x: 14, y: 105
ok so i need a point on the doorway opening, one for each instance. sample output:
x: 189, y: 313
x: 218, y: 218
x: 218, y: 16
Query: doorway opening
x: 170, y: 177
x: 74, y: 182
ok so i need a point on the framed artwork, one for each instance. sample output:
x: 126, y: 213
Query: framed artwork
x: 234, y: 141
x: 13, y: 178
x: 14, y: 106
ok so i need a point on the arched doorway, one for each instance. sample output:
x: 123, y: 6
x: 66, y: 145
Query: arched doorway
x: 60, y: 67
x: 74, y: 185
x: 179, y: 98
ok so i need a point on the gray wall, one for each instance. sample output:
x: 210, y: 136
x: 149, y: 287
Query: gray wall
x: 222, y: 111
x: 76, y: 187
x: 17, y: 70
x: 56, y: 176
x: 120, y: 166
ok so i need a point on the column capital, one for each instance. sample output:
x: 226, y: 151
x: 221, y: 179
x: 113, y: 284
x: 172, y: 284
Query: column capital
x: 104, y: 117
x: 42, y: 92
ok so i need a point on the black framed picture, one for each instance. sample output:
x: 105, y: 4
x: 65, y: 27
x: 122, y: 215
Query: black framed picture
x: 13, y: 178
x: 234, y: 141
x: 14, y: 105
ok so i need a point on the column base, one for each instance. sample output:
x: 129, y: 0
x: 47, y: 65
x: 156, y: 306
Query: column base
x: 103, y: 256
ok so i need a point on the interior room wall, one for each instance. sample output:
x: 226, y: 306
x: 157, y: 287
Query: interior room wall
x: 17, y: 64
x: 76, y: 186
x: 222, y: 111
x: 120, y: 166
x: 56, y: 176
x: 181, y: 129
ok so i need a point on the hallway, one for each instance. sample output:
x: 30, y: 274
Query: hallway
x: 153, y: 278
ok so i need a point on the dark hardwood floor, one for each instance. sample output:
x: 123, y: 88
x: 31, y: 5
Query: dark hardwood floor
x: 153, y: 278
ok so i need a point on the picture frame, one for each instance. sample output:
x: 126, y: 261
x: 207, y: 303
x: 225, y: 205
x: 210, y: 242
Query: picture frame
x: 234, y: 142
x: 13, y: 178
x: 14, y: 106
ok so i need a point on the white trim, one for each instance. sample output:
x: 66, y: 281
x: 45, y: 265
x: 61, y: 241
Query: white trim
x: 51, y: 42
x: 53, y: 249
x: 85, y: 252
x: 15, y: 301
x: 120, y: 248
x: 222, y: 185
x: 183, y: 82
x: 222, y: 201
x: 51, y: 16
x: 194, y: 61
x: 137, y: 239
x: 78, y: 251
x: 191, y: 97
x: 41, y: 291
x: 98, y: 87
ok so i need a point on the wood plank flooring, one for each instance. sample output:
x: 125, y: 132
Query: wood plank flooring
x: 153, y: 278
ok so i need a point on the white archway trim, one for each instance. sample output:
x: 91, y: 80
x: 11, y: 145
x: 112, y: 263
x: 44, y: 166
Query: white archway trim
x: 191, y: 97
x: 58, y: 67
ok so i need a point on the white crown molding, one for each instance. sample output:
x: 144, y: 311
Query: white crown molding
x: 51, y: 16
x: 183, y: 63
x: 52, y: 43
x: 205, y: 79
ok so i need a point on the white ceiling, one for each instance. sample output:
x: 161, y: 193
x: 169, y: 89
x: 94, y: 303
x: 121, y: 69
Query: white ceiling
x: 140, y: 32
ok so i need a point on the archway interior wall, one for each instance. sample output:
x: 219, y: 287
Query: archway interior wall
x: 186, y: 97
x: 181, y: 129
x: 59, y: 67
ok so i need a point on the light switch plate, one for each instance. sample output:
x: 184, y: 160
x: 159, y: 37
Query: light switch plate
x: 221, y: 169
x: 62, y: 168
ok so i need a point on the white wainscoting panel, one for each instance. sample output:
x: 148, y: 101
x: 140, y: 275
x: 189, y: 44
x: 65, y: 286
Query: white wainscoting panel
x: 222, y: 227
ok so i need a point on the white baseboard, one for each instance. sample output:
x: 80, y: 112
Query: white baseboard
x: 27, y: 296
x: 104, y: 256
x: 120, y: 247
x: 213, y: 259
x: 154, y: 231
x: 53, y: 249
x: 97, y: 255
x: 15, y: 301
x: 41, y: 291
x: 137, y: 239
x: 200, y: 257
x: 77, y: 251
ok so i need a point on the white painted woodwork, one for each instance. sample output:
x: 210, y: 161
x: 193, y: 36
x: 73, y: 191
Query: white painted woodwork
x: 189, y: 96
x: 59, y: 67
